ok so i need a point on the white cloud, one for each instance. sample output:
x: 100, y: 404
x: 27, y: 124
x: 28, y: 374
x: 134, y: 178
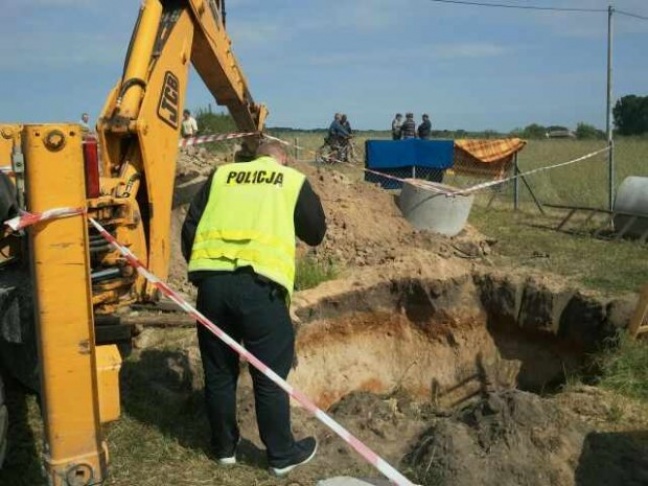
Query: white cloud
x: 58, y: 3
x: 46, y: 51
x: 469, y: 50
x: 252, y: 33
x: 420, y: 54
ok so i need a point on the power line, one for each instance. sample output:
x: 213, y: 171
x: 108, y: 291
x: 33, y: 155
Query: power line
x: 522, y: 7
x: 621, y: 12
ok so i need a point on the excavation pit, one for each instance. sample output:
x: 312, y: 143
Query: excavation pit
x: 441, y: 341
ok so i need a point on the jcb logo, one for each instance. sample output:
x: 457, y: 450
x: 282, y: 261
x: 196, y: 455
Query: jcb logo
x: 169, y: 99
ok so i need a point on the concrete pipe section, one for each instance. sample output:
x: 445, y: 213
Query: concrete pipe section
x: 632, y: 197
x: 428, y: 209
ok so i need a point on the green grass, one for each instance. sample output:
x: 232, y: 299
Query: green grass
x: 525, y: 240
x: 625, y: 369
x: 310, y: 273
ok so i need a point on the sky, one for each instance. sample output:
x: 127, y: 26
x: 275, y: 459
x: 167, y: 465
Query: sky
x: 468, y: 67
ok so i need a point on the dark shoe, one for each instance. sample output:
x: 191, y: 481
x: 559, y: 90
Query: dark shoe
x: 305, y: 450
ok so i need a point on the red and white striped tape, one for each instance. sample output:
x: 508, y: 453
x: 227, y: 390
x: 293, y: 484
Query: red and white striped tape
x: 25, y: 219
x: 485, y: 185
x: 188, y: 142
x: 441, y: 189
x: 380, y: 464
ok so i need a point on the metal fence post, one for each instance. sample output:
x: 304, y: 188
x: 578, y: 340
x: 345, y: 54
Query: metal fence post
x: 516, y: 184
x: 608, y: 113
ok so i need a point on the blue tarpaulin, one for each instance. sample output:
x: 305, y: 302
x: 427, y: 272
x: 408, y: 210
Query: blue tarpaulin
x: 401, y: 157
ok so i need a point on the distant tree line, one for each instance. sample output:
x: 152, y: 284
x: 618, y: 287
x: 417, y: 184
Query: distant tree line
x: 631, y: 115
x: 209, y: 122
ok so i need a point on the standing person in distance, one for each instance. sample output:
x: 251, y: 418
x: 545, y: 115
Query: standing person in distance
x: 346, y: 148
x: 397, y: 123
x: 239, y: 241
x: 189, y: 125
x: 85, y: 123
x: 408, y: 129
x: 425, y: 128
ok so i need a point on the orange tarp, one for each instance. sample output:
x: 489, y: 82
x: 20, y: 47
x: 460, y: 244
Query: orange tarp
x: 486, y: 158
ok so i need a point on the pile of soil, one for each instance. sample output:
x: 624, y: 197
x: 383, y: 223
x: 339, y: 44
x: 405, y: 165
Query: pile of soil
x: 507, y: 438
x: 515, y: 437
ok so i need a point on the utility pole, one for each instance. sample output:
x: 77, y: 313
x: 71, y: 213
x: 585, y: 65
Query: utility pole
x: 608, y: 113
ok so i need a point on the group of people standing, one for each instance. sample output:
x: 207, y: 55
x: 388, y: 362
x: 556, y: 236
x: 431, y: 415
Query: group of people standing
x: 406, y: 129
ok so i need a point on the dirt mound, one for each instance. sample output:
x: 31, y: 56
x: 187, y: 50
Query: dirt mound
x: 366, y: 226
x: 507, y: 438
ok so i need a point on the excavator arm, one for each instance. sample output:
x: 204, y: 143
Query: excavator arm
x: 139, y: 130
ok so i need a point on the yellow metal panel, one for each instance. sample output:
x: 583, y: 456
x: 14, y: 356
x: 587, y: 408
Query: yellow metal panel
x: 214, y: 60
x: 65, y: 327
x: 158, y: 138
x: 7, y: 135
x: 108, y: 365
x: 137, y: 65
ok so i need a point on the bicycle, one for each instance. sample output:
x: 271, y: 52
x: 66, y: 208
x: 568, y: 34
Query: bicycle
x: 336, y: 150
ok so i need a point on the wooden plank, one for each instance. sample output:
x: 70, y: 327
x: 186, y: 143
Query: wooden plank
x: 639, y: 320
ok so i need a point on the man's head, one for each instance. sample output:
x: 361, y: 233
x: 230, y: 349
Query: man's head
x: 338, y: 116
x: 85, y: 118
x: 399, y: 116
x: 273, y: 149
x: 343, y: 117
x: 186, y: 113
x: 409, y: 115
x: 425, y: 116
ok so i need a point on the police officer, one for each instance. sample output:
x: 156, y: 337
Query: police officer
x: 239, y: 240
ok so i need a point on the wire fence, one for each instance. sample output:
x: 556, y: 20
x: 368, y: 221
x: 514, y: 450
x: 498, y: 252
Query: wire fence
x: 556, y: 172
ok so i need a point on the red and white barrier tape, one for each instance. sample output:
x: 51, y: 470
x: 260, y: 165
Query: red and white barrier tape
x: 188, y: 142
x: 364, y: 451
x: 485, y: 185
x: 27, y: 219
x: 443, y: 189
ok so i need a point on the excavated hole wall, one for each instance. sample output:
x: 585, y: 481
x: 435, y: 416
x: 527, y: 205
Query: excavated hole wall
x: 443, y: 341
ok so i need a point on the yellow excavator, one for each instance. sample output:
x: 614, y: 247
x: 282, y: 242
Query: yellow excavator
x: 59, y: 278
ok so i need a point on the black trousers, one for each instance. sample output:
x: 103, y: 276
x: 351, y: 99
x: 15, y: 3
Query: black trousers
x: 252, y: 311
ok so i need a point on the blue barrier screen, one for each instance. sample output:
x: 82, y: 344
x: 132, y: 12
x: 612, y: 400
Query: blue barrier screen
x: 406, y: 158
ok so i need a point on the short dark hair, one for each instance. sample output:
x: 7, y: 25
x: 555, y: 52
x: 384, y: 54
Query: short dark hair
x: 399, y: 114
x: 186, y: 112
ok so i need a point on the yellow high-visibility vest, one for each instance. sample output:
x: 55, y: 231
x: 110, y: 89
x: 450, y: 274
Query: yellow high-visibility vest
x: 249, y: 221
